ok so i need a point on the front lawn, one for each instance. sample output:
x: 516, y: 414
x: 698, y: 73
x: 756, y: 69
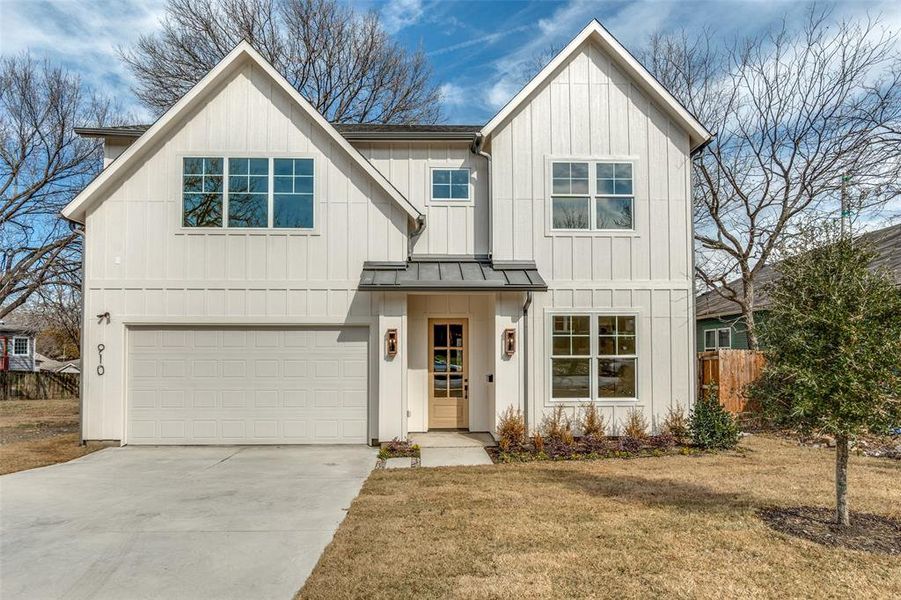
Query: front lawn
x: 673, y: 526
x: 36, y: 433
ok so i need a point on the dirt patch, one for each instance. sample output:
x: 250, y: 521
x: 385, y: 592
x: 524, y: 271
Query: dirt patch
x: 867, y: 532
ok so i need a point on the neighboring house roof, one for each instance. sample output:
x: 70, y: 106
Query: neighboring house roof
x: 75, y: 210
x: 886, y: 243
x: 699, y: 135
x: 43, y: 363
x: 350, y: 131
x: 19, y: 330
x: 448, y: 273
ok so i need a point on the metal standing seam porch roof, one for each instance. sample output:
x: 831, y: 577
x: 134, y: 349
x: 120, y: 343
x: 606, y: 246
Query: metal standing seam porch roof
x: 453, y: 274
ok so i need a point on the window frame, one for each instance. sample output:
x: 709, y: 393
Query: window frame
x: 432, y: 201
x: 592, y: 196
x: 716, y: 338
x: 27, y: 346
x: 224, y: 228
x: 594, y: 356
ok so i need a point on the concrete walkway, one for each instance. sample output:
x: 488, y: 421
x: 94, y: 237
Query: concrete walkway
x: 194, y: 523
x: 452, y: 448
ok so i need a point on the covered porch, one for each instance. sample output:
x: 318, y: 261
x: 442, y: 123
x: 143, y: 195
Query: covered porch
x: 452, y: 335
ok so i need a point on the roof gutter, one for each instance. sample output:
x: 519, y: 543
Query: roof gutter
x: 78, y: 229
x: 477, y: 148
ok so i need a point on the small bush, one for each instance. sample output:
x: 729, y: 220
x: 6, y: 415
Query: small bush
x: 557, y: 426
x: 636, y: 426
x: 676, y: 423
x: 511, y: 430
x: 592, y: 423
x: 711, y: 425
x: 398, y: 448
x: 538, y: 442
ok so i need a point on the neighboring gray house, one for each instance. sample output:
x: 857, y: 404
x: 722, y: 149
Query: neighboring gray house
x: 267, y: 277
x: 17, y: 348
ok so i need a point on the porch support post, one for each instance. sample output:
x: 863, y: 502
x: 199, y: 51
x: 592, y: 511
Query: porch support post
x: 508, y: 390
x: 392, y: 369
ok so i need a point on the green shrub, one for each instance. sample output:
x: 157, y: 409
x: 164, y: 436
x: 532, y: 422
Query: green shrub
x: 710, y: 424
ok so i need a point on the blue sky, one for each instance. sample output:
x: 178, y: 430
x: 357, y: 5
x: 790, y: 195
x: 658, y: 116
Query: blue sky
x: 477, y: 48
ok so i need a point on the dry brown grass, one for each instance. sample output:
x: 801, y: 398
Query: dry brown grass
x: 36, y: 433
x: 669, y: 527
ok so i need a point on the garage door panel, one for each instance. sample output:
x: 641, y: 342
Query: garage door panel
x: 247, y: 386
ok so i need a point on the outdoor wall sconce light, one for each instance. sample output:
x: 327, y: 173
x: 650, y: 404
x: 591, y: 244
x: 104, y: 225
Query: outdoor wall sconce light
x: 391, y: 342
x: 509, y: 342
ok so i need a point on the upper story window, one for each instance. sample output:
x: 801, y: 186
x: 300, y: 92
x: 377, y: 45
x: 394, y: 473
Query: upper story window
x: 20, y: 346
x: 450, y: 185
x: 293, y: 200
x: 202, y: 192
x: 592, y: 195
x: 250, y: 192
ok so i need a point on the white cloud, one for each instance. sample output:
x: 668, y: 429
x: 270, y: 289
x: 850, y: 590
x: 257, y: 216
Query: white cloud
x: 82, y: 37
x: 397, y: 14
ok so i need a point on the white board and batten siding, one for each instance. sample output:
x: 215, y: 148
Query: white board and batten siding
x: 144, y: 268
x: 454, y: 228
x: 590, y: 110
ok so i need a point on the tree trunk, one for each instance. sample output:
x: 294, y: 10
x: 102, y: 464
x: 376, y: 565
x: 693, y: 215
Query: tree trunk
x: 841, y: 480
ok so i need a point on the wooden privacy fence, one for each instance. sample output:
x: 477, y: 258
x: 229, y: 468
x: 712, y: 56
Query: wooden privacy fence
x: 24, y: 385
x: 731, y: 371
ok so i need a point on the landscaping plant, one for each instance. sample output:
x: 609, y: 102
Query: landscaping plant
x: 676, y: 423
x: 636, y: 426
x: 511, y: 430
x: 557, y: 427
x: 592, y: 423
x: 711, y: 425
x: 832, y: 341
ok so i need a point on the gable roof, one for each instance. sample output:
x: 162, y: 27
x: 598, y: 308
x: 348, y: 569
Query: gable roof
x: 698, y: 134
x: 886, y: 243
x: 75, y: 210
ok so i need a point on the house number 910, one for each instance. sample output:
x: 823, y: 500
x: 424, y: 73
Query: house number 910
x: 100, y: 349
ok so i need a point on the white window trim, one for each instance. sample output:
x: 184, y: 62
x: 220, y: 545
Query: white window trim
x: 224, y: 228
x: 592, y: 196
x: 447, y: 201
x: 27, y: 346
x: 593, y: 314
x: 716, y: 337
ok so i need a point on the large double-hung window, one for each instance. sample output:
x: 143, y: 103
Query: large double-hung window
x: 592, y: 196
x: 593, y: 357
x: 248, y: 192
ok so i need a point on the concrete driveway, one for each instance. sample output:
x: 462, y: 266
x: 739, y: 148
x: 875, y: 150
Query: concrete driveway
x: 203, y: 522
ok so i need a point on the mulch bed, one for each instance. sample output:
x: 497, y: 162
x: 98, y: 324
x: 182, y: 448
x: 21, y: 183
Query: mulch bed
x: 595, y: 449
x: 867, y: 532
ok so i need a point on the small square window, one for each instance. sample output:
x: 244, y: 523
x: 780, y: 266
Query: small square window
x: 20, y: 347
x: 724, y: 338
x: 450, y: 185
x: 614, y: 212
x: 710, y: 339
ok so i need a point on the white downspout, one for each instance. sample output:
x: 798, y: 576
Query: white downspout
x: 476, y: 148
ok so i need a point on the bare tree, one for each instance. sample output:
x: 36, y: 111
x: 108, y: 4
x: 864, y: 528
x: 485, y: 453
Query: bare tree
x: 343, y: 62
x: 43, y: 164
x: 796, y: 115
x: 55, y: 313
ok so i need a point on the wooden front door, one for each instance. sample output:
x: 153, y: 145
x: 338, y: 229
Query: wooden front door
x: 448, y: 374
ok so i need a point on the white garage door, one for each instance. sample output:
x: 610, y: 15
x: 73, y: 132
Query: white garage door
x: 248, y: 385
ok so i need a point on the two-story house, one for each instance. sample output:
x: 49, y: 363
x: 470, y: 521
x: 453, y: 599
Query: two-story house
x: 257, y: 275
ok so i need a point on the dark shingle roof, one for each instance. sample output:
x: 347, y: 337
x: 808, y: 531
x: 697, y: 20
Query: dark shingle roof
x: 886, y: 243
x: 355, y: 131
x: 465, y: 273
